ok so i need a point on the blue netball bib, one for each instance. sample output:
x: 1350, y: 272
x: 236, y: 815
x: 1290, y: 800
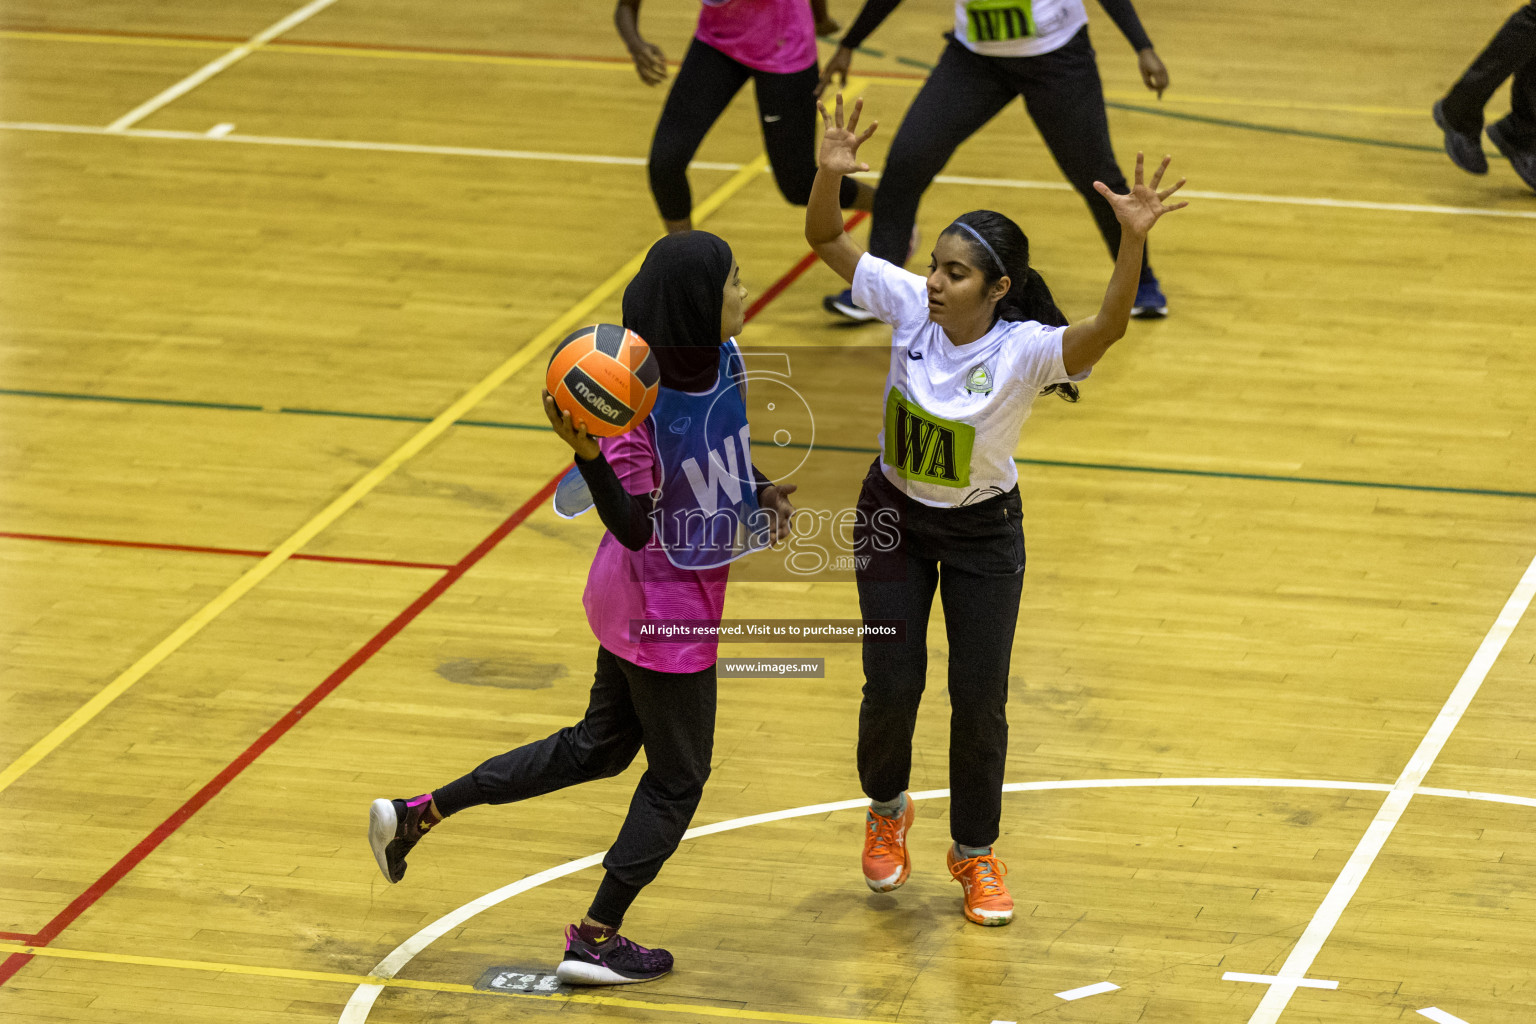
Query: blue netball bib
x: 707, y: 512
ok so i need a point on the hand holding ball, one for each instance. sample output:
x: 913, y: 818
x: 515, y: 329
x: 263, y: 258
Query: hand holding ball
x: 605, y: 378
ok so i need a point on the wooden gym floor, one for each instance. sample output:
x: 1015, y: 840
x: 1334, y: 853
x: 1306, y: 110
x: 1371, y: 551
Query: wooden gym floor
x: 275, y: 536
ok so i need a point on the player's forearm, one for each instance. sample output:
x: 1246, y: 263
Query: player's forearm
x: 823, y: 212
x: 627, y: 516
x: 626, y: 18
x: 1086, y: 341
x: 1125, y: 18
x: 1114, y: 313
x: 870, y: 16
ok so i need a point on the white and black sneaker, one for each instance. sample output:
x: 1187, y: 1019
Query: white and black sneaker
x: 843, y: 305
x: 394, y: 826
x: 613, y: 961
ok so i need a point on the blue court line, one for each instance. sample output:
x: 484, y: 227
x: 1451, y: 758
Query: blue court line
x: 1047, y: 463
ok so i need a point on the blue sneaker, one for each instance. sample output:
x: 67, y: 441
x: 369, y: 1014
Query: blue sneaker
x: 1464, y: 149
x: 843, y: 305
x: 1151, y: 303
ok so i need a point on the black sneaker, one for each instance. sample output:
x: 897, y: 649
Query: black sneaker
x: 615, y: 961
x: 1522, y: 160
x: 394, y: 826
x: 1465, y: 150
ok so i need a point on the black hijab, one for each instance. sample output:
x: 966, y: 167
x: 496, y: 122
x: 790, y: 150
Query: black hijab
x: 674, y: 304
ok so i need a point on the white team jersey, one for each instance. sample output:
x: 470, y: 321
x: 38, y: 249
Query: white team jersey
x: 953, y: 412
x: 1017, y: 28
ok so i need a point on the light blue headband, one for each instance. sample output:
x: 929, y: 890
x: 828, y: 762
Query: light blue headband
x: 977, y: 235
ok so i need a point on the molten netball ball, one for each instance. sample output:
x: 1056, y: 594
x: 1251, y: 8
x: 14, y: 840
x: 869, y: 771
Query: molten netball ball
x: 605, y: 377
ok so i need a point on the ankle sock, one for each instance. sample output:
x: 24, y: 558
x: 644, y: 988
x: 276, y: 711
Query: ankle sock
x: 967, y: 852
x: 890, y: 808
x: 595, y: 933
x: 428, y: 819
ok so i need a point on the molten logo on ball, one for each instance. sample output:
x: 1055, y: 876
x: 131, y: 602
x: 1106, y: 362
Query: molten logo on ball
x: 598, y: 402
x: 605, y: 377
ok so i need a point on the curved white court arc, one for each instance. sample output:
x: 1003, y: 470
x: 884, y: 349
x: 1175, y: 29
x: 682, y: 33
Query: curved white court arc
x: 364, y: 996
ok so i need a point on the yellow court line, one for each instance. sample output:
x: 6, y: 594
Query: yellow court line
x: 327, y: 977
x: 429, y: 433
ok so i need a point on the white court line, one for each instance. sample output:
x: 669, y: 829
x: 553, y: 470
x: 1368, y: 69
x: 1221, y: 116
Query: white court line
x: 1032, y: 787
x: 1296, y: 966
x: 369, y: 147
x: 364, y: 996
x: 1271, y: 979
x: 1248, y: 197
x: 1472, y: 794
x: 207, y: 71
x: 1324, y: 202
x: 1072, y: 994
x: 1439, y: 1016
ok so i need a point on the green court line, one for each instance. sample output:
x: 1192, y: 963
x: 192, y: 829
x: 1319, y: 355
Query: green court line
x: 1208, y: 473
x: 124, y: 400
x: 1223, y: 122
x: 1047, y: 463
x: 866, y: 50
x: 1275, y: 478
x: 296, y: 411
x: 1253, y: 126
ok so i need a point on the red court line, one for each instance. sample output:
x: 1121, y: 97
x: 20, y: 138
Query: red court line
x: 167, y: 828
x: 338, y: 44
x: 795, y: 271
x: 121, y: 33
x: 602, y: 58
x: 104, y: 542
x: 149, y: 843
x: 25, y: 937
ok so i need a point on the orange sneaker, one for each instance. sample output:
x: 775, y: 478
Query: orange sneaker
x: 986, y: 897
x: 886, y: 864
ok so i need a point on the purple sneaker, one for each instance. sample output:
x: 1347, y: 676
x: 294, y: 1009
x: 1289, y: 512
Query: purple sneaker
x: 394, y: 826
x: 614, y: 961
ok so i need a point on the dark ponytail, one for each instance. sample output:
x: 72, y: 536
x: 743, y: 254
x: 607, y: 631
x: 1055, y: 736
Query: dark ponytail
x: 1028, y: 296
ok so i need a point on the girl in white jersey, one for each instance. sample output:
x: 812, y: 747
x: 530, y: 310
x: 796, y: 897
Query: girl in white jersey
x: 971, y: 347
x: 998, y: 51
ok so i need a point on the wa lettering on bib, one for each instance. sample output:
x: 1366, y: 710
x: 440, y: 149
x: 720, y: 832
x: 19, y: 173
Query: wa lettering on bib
x: 998, y: 21
x: 922, y: 446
